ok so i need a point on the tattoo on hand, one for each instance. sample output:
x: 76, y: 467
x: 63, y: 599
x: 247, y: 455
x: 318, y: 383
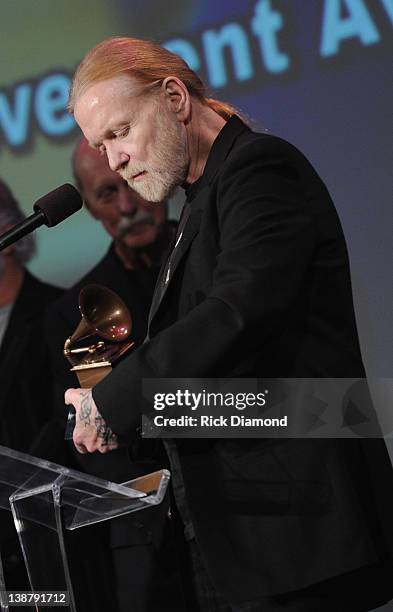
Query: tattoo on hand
x: 85, y: 411
x: 108, y: 438
x: 104, y: 432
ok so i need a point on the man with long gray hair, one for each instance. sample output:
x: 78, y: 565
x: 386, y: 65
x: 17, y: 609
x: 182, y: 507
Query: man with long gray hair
x: 257, y: 284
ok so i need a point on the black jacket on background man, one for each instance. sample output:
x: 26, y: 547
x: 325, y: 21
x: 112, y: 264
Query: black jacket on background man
x: 24, y: 366
x: 259, y: 286
x: 25, y: 397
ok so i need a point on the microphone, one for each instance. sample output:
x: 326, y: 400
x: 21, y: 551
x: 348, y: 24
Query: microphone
x: 50, y: 210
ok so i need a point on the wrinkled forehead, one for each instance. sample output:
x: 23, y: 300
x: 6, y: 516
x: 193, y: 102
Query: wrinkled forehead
x: 121, y: 86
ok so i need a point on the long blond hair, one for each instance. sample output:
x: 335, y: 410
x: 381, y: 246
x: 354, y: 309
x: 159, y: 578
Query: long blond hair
x: 144, y: 60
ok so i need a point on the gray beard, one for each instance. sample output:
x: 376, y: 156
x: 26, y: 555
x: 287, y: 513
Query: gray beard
x: 167, y: 171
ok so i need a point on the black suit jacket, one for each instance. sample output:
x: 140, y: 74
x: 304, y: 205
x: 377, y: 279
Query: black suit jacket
x: 260, y: 286
x: 24, y: 366
x: 25, y: 399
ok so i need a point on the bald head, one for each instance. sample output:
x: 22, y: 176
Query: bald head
x: 83, y: 155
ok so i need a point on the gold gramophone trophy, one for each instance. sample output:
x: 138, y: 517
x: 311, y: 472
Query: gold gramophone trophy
x: 107, y: 323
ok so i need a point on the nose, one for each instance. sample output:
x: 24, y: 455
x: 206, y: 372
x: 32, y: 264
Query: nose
x: 116, y: 158
x: 126, y: 201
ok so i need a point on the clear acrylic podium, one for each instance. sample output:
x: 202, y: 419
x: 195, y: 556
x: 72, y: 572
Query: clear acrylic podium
x: 45, y: 499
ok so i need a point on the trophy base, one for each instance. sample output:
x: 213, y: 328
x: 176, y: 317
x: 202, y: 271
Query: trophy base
x: 89, y: 375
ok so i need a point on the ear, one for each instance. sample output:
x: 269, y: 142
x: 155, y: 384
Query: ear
x: 177, y: 98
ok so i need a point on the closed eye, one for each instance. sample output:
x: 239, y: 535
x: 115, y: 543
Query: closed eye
x: 123, y: 132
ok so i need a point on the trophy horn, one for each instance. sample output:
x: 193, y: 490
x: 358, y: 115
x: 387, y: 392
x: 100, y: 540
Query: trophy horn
x: 104, y: 314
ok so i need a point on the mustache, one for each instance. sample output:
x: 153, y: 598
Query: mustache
x: 126, y: 224
x: 128, y: 173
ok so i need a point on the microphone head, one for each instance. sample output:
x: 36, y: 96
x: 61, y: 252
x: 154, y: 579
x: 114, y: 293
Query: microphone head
x: 59, y: 204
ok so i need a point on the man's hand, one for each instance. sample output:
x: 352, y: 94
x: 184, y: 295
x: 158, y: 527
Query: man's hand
x: 91, y: 433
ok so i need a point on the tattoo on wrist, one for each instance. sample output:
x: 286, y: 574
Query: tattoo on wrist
x: 85, y: 411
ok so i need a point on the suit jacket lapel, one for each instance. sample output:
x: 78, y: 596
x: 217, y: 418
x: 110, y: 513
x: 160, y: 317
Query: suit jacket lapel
x: 184, y: 241
x: 180, y: 248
